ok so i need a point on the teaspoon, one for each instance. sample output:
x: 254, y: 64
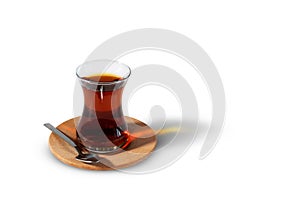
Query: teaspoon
x: 89, y: 158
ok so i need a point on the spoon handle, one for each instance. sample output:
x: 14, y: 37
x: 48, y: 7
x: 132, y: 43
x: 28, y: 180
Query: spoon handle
x: 61, y: 134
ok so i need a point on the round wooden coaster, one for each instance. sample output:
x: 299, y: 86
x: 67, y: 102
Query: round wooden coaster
x: 139, y: 149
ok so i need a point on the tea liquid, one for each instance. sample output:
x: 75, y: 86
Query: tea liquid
x: 102, y: 126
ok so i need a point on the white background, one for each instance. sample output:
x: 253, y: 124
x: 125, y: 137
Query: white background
x: 255, y: 46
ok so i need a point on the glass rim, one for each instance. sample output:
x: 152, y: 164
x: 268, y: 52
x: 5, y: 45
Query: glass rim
x: 124, y: 78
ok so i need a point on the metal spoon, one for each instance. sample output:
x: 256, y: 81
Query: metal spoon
x: 89, y: 158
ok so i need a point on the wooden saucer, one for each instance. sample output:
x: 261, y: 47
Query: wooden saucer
x: 139, y: 149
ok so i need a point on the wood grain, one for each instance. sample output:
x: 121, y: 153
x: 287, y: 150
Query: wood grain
x: 139, y: 149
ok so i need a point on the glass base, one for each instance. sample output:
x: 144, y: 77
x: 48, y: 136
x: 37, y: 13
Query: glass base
x: 106, y: 150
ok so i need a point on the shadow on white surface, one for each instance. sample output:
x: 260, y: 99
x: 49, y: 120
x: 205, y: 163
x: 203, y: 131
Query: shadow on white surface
x: 174, y: 140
